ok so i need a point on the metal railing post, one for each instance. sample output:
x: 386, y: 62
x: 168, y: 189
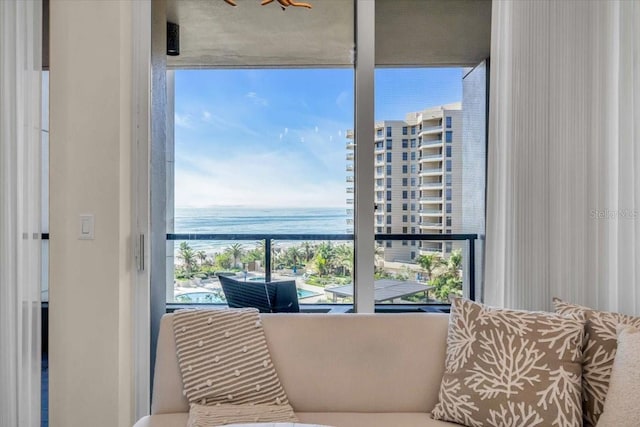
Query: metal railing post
x: 267, y: 260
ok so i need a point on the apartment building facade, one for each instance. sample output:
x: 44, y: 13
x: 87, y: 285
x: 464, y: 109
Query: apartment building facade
x: 418, y: 180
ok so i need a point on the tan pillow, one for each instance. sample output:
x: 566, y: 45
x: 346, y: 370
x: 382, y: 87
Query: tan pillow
x: 622, y: 404
x: 510, y: 368
x: 224, y: 360
x: 599, y: 353
x: 210, y: 416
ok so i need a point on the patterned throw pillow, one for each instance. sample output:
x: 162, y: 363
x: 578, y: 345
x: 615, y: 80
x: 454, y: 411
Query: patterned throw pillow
x: 599, y: 352
x: 622, y: 405
x: 220, y: 415
x: 224, y: 360
x: 508, y: 368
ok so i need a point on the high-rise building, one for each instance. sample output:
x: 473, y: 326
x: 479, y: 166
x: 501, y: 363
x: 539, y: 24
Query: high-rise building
x: 418, y: 179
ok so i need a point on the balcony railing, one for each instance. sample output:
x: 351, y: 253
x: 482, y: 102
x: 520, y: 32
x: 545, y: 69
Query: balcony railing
x: 430, y: 171
x: 430, y: 142
x: 431, y: 185
x: 269, y: 238
x: 431, y: 157
x: 429, y: 129
x: 350, y: 156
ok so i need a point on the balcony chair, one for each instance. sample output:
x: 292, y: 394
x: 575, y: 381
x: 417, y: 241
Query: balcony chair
x: 270, y: 297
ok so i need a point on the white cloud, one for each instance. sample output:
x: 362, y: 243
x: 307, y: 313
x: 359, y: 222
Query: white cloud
x: 264, y: 179
x: 206, y: 116
x: 183, y: 121
x: 257, y: 100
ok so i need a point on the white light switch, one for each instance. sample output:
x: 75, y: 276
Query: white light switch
x: 86, y: 227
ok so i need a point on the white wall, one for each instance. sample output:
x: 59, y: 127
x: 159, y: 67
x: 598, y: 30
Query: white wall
x: 90, y: 172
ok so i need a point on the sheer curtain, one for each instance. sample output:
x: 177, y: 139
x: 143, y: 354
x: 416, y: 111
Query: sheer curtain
x: 563, y: 200
x: 20, y: 74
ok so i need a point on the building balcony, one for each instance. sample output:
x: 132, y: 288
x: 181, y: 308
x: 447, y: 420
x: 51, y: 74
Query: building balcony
x: 350, y: 212
x: 430, y: 225
x: 430, y: 200
x: 379, y: 149
x: 349, y: 201
x: 430, y: 172
x: 350, y: 178
x: 350, y: 134
x: 430, y: 212
x: 431, y: 158
x: 350, y: 156
x: 431, y: 250
x: 349, y: 168
x: 431, y: 185
x: 431, y: 143
x: 379, y: 162
x: 349, y: 190
x: 426, y: 130
x: 349, y: 221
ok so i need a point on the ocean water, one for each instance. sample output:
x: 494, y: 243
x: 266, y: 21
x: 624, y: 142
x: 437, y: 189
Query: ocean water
x: 242, y: 220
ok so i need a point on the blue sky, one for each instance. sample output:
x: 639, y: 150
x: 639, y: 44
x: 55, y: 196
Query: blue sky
x: 276, y: 137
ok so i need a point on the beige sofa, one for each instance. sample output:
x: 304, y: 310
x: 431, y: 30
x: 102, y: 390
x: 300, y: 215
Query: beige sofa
x: 343, y: 370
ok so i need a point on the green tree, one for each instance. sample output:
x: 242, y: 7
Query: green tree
x: 292, y: 256
x: 307, y: 249
x: 223, y: 261
x: 188, y: 257
x: 454, y: 264
x: 202, y: 256
x: 445, y: 285
x: 344, y: 258
x: 235, y: 251
x: 429, y: 263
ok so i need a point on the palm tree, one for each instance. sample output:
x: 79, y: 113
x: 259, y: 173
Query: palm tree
x: 293, y: 255
x: 429, y: 263
x: 236, y: 252
x: 202, y: 256
x: 344, y: 258
x: 378, y: 254
x: 188, y: 258
x: 455, y: 263
x: 308, y: 251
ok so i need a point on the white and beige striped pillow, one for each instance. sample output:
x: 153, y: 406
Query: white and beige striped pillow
x: 224, y: 360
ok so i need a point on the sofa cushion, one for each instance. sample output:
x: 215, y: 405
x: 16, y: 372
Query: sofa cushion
x: 335, y: 419
x: 509, y: 367
x: 209, y: 416
x: 164, y: 420
x: 335, y: 354
x: 224, y: 361
x: 373, y: 419
x: 599, y: 353
x: 622, y: 405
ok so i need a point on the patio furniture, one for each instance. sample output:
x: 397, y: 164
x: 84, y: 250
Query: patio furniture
x: 267, y: 297
x: 385, y: 290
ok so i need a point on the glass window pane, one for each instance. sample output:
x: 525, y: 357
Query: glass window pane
x: 428, y: 103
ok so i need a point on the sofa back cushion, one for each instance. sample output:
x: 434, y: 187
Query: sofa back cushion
x: 336, y: 362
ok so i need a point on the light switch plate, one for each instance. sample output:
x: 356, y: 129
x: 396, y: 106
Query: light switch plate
x: 86, y: 227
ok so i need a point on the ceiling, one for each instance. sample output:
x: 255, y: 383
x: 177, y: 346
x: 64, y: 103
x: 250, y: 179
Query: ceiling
x: 408, y: 33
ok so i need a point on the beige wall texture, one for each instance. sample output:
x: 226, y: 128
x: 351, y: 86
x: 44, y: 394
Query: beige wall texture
x: 90, y: 173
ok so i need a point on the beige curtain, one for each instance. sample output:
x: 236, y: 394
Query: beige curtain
x: 20, y: 245
x: 563, y: 200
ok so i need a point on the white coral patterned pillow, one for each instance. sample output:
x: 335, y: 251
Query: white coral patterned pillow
x: 622, y: 405
x: 508, y: 368
x: 599, y: 353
